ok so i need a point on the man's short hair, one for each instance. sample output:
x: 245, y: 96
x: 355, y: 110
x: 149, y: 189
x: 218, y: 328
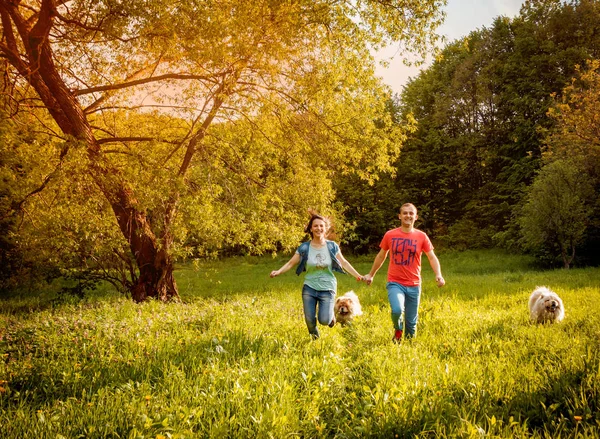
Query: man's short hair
x: 408, y: 205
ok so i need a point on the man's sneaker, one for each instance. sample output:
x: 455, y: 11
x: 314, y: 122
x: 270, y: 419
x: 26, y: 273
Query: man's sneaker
x: 397, y: 338
x: 332, y: 323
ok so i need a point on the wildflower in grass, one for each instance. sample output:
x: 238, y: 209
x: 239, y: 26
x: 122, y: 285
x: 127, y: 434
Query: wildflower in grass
x: 577, y: 418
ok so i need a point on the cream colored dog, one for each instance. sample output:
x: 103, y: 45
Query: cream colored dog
x: 347, y: 307
x: 545, y: 306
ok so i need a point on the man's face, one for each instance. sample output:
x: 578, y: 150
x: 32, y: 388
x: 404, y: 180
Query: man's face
x: 408, y: 216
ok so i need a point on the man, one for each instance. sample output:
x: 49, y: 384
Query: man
x: 404, y: 271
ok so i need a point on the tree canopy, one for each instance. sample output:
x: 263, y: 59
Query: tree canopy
x: 174, y: 127
x: 557, y: 210
x: 575, y: 144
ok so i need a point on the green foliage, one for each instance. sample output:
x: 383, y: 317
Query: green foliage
x: 369, y: 210
x: 467, y: 234
x: 235, y: 359
x: 8, y: 224
x: 205, y: 126
x: 27, y: 161
x: 58, y: 222
x: 576, y: 139
x: 557, y: 211
x: 481, y: 111
x: 370, y: 207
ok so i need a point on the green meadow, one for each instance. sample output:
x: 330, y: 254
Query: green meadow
x: 234, y: 359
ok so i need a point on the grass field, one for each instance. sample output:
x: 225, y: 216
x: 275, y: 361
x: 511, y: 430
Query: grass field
x: 235, y: 359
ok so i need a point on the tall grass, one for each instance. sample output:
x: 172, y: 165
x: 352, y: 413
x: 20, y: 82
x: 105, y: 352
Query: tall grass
x: 235, y: 359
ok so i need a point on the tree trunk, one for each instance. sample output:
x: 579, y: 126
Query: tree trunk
x: 37, y: 66
x: 152, y: 255
x: 156, y: 279
x: 568, y: 260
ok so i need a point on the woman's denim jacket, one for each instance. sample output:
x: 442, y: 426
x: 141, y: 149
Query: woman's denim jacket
x: 333, y: 251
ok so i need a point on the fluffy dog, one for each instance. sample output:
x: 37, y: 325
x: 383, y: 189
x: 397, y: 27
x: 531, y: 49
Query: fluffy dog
x: 346, y: 308
x: 545, y: 306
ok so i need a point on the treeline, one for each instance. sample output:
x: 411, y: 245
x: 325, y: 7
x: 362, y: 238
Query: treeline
x: 487, y: 116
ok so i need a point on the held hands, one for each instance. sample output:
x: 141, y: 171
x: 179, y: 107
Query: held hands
x: 367, y: 278
x: 275, y: 273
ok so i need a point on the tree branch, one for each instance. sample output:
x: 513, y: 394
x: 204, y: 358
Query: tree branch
x: 10, y: 49
x: 133, y: 139
x: 136, y: 107
x: 40, y: 31
x: 17, y: 206
x: 179, y: 76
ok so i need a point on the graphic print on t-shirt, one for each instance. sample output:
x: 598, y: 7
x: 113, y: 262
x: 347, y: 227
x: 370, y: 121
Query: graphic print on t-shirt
x: 403, y: 250
x: 321, y: 262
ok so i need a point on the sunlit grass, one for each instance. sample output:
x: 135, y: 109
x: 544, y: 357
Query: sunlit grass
x: 235, y: 359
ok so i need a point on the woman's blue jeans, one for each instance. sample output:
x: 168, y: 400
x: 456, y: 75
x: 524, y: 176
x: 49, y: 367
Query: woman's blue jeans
x: 313, y: 300
x: 404, y: 302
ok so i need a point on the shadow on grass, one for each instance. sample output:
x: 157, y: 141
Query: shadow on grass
x: 39, y: 387
x: 568, y: 402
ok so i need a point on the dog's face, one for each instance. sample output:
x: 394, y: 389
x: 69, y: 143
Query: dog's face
x: 546, y: 306
x: 347, y: 307
x: 344, y: 306
x: 551, y: 304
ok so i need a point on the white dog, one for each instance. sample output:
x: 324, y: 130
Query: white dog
x: 347, y: 307
x: 545, y: 306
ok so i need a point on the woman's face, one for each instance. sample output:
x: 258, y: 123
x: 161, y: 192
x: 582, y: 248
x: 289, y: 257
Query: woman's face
x: 318, y: 228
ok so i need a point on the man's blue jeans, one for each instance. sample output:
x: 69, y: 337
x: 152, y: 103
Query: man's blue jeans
x: 325, y: 301
x: 404, y: 302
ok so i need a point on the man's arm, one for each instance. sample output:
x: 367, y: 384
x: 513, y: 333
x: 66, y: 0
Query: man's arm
x: 437, y: 269
x: 377, y: 263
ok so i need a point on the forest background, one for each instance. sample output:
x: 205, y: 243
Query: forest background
x: 134, y: 138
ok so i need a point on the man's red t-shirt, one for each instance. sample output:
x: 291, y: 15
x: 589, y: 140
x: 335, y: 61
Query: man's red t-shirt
x: 405, y: 255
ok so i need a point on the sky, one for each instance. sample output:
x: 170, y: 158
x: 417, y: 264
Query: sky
x: 462, y: 17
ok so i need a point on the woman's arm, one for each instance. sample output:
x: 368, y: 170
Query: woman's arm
x: 347, y: 266
x: 289, y: 264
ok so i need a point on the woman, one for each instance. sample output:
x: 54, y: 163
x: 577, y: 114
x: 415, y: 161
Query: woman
x: 319, y: 257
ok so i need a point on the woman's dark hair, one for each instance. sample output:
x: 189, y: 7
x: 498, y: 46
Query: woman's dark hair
x: 313, y: 217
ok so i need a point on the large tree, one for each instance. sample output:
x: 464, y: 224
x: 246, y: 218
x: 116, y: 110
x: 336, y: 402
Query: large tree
x: 557, y: 211
x: 295, y: 77
x: 576, y: 140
